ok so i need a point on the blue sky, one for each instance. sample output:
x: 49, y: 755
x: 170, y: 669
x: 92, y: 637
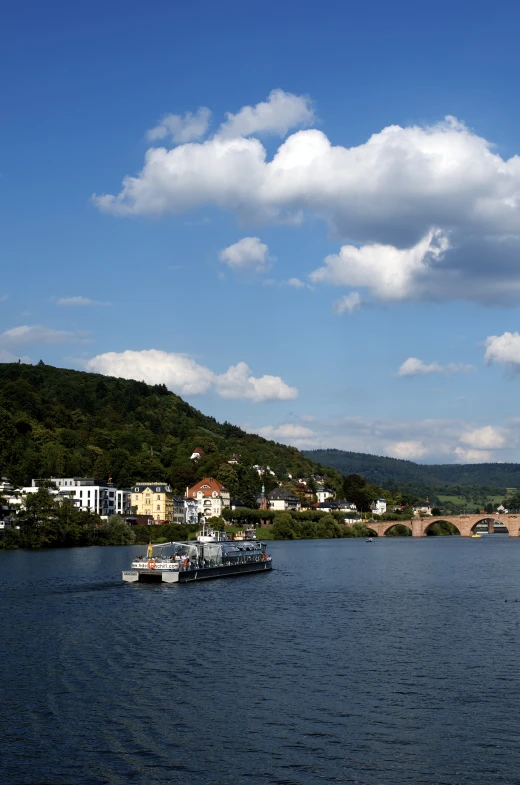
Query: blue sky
x: 266, y: 208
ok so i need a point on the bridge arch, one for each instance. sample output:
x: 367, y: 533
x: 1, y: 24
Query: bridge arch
x: 511, y: 524
x: 391, y: 524
x: 431, y: 523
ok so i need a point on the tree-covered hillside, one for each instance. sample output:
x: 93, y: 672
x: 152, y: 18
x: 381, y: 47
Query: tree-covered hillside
x: 57, y: 422
x: 387, y: 471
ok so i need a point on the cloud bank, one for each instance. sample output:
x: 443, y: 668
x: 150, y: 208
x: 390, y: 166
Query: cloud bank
x: 429, y: 211
x: 426, y: 440
x: 181, y: 374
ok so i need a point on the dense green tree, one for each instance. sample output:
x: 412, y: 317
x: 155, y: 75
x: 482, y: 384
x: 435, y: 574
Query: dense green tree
x: 284, y: 527
x: 219, y: 524
x: 114, y: 531
x: 8, y: 436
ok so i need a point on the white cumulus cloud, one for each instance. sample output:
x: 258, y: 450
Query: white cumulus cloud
x: 389, y: 273
x: 181, y: 128
x: 184, y: 376
x: 415, y: 367
x: 348, y: 303
x: 408, y: 450
x: 177, y: 371
x: 249, y: 253
x: 472, y: 456
x: 486, y: 438
x: 238, y: 382
x: 504, y: 350
x: 281, y: 112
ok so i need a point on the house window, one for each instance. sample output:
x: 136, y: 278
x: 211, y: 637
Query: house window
x: 158, y: 507
x: 157, y: 489
x: 158, y: 497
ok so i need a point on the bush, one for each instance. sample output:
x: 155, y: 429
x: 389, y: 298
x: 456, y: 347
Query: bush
x: 116, y: 532
x: 284, y: 527
x: 10, y: 540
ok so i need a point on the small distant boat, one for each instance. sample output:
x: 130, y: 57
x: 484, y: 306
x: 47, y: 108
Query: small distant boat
x: 211, y: 535
x: 246, y: 534
x: 476, y: 536
x: 369, y: 539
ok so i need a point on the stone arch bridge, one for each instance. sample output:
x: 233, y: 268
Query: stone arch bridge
x: 465, y: 524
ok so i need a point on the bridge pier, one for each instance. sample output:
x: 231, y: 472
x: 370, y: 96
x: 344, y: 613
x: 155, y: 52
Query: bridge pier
x: 418, y: 529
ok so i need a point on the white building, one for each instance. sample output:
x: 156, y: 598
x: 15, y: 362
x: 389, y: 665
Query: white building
x: 282, y: 499
x: 123, y: 501
x: 336, y: 506
x: 423, y: 508
x: 378, y: 507
x: 196, y: 454
x: 323, y: 493
x: 89, y: 494
x: 264, y: 470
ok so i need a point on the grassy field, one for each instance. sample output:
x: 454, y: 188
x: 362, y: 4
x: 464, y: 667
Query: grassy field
x: 469, y: 501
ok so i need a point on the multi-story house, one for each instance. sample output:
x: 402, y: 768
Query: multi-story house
x: 211, y: 497
x: 123, y: 501
x: 322, y: 494
x: 179, y: 514
x: 86, y: 492
x: 282, y: 499
x: 155, y: 499
x: 378, y: 507
x: 423, y: 508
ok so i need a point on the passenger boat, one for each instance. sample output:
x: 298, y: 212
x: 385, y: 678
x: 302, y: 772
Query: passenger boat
x: 184, y: 562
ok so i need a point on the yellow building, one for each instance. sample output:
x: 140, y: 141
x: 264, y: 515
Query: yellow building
x: 154, y: 499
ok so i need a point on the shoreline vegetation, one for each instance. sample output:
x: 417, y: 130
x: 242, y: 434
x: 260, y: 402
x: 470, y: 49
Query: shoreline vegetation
x: 45, y: 523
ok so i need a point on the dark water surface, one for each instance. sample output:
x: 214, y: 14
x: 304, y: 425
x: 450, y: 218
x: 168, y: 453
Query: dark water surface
x: 394, y: 662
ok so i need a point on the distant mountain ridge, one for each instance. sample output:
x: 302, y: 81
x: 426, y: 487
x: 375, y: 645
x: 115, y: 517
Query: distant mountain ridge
x: 387, y: 471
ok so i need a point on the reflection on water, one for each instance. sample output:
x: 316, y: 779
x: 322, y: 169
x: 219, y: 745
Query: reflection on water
x: 393, y: 662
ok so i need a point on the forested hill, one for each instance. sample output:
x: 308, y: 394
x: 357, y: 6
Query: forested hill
x: 57, y: 422
x: 387, y: 471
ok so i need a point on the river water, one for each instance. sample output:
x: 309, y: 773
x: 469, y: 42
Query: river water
x: 390, y: 662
